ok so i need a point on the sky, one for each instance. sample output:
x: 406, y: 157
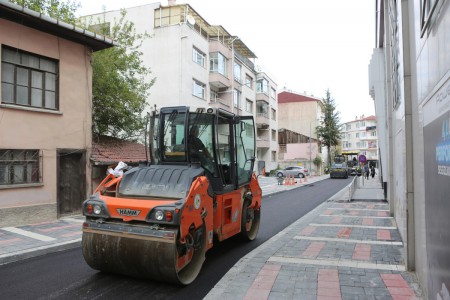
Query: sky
x: 307, y: 46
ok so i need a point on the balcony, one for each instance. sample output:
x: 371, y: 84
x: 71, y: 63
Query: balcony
x: 262, y: 97
x: 262, y: 120
x: 218, y: 80
x: 262, y: 143
x: 220, y: 103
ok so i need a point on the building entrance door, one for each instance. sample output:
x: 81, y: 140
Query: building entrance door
x: 71, y: 181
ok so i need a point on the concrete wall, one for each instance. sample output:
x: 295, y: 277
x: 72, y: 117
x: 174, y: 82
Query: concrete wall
x: 31, y: 128
x: 418, y: 126
x: 301, y: 117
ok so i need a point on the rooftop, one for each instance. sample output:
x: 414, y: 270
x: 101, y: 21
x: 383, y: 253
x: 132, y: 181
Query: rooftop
x: 108, y: 150
x: 290, y: 96
x: 30, y: 18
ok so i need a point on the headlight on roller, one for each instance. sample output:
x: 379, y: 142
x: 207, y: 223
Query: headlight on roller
x: 163, y: 215
x: 159, y: 215
x: 97, y: 209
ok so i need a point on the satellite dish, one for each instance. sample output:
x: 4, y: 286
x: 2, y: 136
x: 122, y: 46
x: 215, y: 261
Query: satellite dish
x: 191, y: 20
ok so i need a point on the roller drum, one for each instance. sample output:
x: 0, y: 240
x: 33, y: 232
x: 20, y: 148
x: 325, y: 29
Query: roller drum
x: 139, y: 251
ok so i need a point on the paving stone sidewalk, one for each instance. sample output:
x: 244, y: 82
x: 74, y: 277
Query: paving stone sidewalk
x: 340, y: 250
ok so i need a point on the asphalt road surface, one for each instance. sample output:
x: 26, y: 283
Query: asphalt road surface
x: 65, y: 275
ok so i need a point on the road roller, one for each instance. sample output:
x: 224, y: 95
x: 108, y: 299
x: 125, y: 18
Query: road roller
x: 158, y: 220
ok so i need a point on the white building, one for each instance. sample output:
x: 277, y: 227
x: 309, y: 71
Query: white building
x: 360, y: 136
x: 198, y: 64
x: 410, y: 84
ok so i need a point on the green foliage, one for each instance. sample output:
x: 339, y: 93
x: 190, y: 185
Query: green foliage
x: 118, y: 86
x: 62, y: 10
x: 119, y: 90
x: 317, y: 161
x: 329, y: 130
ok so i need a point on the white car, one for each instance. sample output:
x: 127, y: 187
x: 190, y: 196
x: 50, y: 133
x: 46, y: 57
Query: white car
x: 295, y: 171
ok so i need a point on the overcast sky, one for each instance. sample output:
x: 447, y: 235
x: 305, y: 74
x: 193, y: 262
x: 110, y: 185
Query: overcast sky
x: 305, y: 45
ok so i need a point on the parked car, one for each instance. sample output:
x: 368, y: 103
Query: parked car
x: 339, y: 170
x: 295, y: 171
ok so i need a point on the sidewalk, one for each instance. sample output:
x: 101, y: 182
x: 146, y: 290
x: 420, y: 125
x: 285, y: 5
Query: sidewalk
x: 341, y: 250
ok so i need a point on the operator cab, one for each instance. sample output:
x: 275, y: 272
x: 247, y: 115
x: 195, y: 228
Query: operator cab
x: 222, y: 143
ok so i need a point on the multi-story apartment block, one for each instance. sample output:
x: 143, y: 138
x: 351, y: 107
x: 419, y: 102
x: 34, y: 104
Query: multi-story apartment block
x: 266, y: 121
x: 359, y: 137
x: 198, y: 64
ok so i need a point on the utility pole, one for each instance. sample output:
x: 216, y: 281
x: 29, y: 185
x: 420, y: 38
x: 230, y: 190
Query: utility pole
x: 310, y: 149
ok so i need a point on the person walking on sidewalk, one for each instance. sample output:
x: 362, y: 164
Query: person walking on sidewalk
x: 366, y: 171
x: 372, y: 171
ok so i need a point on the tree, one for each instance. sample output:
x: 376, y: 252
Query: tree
x: 119, y: 89
x: 63, y: 10
x: 329, y: 130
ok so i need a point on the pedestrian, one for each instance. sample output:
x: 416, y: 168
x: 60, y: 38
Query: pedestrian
x: 366, y: 171
x: 372, y: 171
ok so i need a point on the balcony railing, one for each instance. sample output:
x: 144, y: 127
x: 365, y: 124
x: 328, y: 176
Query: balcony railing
x: 262, y: 143
x: 219, y: 103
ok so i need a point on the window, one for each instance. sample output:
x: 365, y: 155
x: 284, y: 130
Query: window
x: 213, y: 96
x: 373, y: 133
x: 348, y: 127
x: 29, y: 80
x: 198, y: 57
x: 274, y: 135
x: 237, y: 99
x: 237, y: 72
x: 357, y: 135
x: 248, y: 105
x: 198, y: 89
x: 427, y: 10
x: 274, y: 156
x: 19, y: 167
x: 262, y: 86
x: 273, y: 93
x: 218, y: 63
x: 274, y: 114
x: 248, y: 81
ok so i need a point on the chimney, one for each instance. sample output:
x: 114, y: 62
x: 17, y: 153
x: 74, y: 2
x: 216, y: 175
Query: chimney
x: 172, y: 2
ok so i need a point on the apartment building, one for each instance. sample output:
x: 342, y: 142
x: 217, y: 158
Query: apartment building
x: 409, y: 80
x: 299, y: 115
x: 199, y: 65
x: 359, y: 137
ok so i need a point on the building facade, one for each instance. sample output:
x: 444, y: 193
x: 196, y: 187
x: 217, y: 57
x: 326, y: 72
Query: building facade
x: 299, y: 115
x: 198, y: 64
x: 45, y: 110
x: 410, y: 84
x: 359, y: 137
